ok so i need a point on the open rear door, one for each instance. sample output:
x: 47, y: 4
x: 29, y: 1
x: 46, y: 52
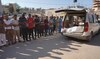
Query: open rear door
x: 71, y: 17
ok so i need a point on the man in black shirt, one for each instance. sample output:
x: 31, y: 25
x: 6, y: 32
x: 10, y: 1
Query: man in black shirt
x: 23, y: 27
x: 37, y: 25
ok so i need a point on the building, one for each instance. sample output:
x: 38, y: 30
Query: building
x: 33, y: 11
x: 96, y: 5
x: 10, y: 9
x: 51, y: 12
x: 1, y: 9
x: 5, y: 9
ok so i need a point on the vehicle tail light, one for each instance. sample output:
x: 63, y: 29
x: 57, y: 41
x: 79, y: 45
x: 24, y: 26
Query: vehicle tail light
x: 86, y: 27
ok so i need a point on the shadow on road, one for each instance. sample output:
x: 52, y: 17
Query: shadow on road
x: 95, y: 40
x: 45, y: 47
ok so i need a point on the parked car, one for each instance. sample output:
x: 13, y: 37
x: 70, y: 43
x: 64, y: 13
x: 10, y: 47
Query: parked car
x: 79, y: 24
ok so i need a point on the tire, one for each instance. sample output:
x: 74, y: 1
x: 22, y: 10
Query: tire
x: 61, y: 33
x: 99, y: 31
x: 90, y: 37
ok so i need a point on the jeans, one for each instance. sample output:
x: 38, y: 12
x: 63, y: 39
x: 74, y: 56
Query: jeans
x: 24, y: 33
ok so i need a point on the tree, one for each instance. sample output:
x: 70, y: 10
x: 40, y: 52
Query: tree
x: 11, y: 9
x: 17, y: 8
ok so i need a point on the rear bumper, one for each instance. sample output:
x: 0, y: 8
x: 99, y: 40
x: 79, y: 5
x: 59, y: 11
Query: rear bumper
x: 77, y: 35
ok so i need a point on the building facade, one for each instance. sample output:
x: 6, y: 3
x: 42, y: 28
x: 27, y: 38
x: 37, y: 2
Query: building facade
x: 33, y: 11
x: 51, y: 12
x: 5, y: 9
x: 96, y: 5
x: 10, y: 9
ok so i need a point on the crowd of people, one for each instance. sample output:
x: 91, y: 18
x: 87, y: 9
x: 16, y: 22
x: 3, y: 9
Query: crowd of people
x: 21, y: 29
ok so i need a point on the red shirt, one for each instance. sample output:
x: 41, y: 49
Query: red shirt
x: 30, y: 22
x: 46, y: 23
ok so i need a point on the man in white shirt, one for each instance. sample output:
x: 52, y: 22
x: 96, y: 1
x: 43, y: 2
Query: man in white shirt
x: 2, y: 33
x: 16, y: 28
x: 9, y: 29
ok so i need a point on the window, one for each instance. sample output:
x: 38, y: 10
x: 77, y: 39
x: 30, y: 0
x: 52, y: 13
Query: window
x: 91, y: 18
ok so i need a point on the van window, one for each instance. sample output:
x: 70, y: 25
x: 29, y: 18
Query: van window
x: 73, y: 20
x: 91, y: 18
x: 95, y: 18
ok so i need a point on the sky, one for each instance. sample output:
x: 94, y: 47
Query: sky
x: 48, y: 3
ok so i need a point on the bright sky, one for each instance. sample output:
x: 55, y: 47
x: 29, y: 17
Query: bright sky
x: 47, y: 3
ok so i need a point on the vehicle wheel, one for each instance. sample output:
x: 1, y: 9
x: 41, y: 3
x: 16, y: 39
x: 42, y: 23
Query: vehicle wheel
x: 61, y: 33
x: 99, y: 31
x: 68, y: 37
x: 90, y: 37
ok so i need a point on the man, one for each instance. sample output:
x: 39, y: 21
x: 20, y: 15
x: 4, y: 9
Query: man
x: 46, y: 25
x: 31, y: 25
x: 42, y: 26
x: 9, y: 30
x: 60, y: 24
x: 54, y: 24
x: 2, y: 32
x: 37, y: 25
x: 16, y: 28
x: 23, y: 27
x: 51, y: 25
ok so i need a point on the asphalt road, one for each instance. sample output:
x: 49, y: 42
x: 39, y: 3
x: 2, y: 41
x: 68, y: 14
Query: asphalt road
x: 53, y: 47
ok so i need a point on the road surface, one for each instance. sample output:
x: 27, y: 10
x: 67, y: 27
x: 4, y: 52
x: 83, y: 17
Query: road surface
x: 53, y: 47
